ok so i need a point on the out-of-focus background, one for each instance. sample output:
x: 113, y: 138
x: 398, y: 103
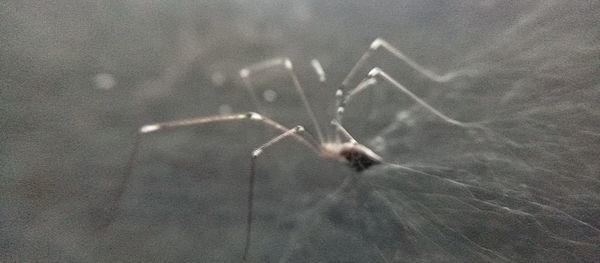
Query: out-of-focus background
x: 77, y: 79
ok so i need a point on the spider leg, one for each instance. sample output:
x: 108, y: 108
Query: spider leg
x: 342, y: 99
x: 340, y: 129
x: 379, y: 42
x: 318, y: 69
x: 289, y: 68
x: 309, y: 141
x: 377, y: 72
x: 293, y: 132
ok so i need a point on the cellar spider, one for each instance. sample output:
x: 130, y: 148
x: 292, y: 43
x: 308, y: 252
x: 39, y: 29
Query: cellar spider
x: 343, y: 147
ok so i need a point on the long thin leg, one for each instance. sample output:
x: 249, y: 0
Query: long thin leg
x: 115, y: 201
x: 375, y: 72
x: 309, y: 141
x: 370, y: 81
x: 257, y: 152
x: 341, y: 130
x: 342, y: 99
x: 287, y: 65
x: 318, y: 69
x: 379, y: 42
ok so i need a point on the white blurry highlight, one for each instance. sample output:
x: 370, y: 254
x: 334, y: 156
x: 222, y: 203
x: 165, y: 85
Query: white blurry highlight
x: 269, y: 95
x: 218, y: 78
x: 254, y: 116
x: 319, y: 69
x: 378, y: 144
x: 375, y: 71
x: 149, y: 128
x: 288, y: 64
x: 244, y: 73
x: 104, y: 81
x: 376, y: 43
x: 257, y: 152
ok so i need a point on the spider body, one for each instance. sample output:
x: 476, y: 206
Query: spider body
x: 355, y: 155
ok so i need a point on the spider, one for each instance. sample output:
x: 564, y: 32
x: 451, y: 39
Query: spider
x: 343, y: 148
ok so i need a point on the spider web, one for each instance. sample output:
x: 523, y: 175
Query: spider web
x: 523, y: 187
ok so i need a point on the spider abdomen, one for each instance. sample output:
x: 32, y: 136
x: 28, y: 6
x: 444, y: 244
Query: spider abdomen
x: 359, y: 157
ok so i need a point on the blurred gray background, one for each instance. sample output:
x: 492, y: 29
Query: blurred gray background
x: 77, y: 79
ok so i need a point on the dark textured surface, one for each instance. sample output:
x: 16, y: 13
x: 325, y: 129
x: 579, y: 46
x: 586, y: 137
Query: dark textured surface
x: 524, y: 188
